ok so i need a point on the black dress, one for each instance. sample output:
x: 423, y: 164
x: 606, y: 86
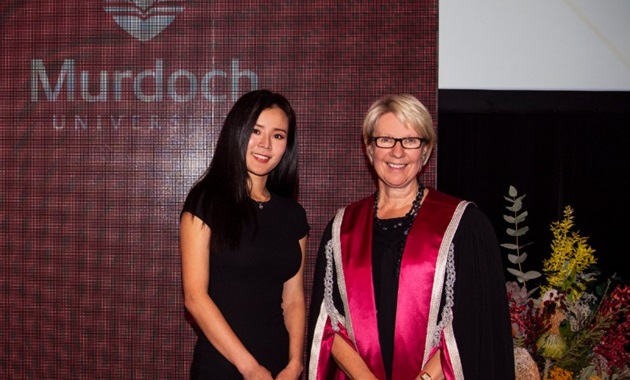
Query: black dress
x: 246, y: 285
x: 480, y: 312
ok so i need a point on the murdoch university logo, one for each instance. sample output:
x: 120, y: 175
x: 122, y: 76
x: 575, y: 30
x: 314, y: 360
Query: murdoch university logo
x: 143, y: 19
x: 74, y: 81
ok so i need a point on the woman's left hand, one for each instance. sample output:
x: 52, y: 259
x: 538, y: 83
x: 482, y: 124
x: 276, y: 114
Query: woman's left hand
x: 291, y: 372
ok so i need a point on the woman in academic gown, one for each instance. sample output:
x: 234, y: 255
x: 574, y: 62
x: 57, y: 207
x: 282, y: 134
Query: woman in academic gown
x: 408, y: 281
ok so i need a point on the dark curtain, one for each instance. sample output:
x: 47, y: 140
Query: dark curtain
x: 558, y: 148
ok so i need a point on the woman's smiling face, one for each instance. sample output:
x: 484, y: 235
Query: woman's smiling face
x: 395, y: 167
x: 268, y: 142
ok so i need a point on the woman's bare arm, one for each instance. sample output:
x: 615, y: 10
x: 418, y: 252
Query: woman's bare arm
x: 349, y: 360
x: 194, y: 245
x: 294, y: 309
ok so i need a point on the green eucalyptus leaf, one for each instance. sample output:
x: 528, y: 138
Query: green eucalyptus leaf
x: 509, y: 219
x: 514, y: 208
x: 517, y: 259
x: 521, y: 258
x: 510, y: 246
x: 520, y: 217
x: 515, y: 272
x: 529, y: 294
x: 512, y: 191
x: 532, y: 274
x: 518, y: 232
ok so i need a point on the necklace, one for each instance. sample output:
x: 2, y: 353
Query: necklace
x: 266, y: 198
x: 408, y: 218
x: 406, y: 222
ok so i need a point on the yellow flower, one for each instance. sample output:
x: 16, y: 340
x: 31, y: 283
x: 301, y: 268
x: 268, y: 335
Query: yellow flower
x: 558, y: 373
x: 571, y: 255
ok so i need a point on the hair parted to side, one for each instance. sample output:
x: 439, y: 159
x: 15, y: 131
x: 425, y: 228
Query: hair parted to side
x: 409, y: 111
x: 224, y: 186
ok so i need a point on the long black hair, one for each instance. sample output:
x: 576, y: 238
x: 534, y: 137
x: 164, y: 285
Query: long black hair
x: 223, y: 188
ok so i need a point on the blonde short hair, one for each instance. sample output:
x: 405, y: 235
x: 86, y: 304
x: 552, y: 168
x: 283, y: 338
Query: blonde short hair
x: 408, y: 109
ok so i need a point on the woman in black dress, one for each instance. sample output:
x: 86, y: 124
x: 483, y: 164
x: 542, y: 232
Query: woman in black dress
x: 242, y: 240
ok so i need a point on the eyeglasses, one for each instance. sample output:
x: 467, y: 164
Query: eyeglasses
x: 405, y: 142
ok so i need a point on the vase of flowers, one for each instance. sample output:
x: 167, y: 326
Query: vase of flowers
x: 570, y: 327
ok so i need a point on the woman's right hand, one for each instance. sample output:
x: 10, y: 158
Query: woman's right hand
x: 257, y: 372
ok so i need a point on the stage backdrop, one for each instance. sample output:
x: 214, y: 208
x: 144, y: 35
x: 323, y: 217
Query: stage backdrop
x: 109, y: 112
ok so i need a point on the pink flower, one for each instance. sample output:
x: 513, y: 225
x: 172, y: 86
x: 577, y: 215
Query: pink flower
x: 516, y: 292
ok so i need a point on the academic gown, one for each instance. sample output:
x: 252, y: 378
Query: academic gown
x: 470, y: 326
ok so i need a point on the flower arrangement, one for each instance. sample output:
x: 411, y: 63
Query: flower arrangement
x: 569, y: 327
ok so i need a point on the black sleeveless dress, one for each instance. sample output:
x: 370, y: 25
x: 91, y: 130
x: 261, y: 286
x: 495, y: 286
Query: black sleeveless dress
x: 246, y: 285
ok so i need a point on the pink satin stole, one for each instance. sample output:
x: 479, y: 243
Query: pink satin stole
x: 415, y: 283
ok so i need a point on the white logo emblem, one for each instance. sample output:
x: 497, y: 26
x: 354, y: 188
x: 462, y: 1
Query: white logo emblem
x: 143, y: 19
